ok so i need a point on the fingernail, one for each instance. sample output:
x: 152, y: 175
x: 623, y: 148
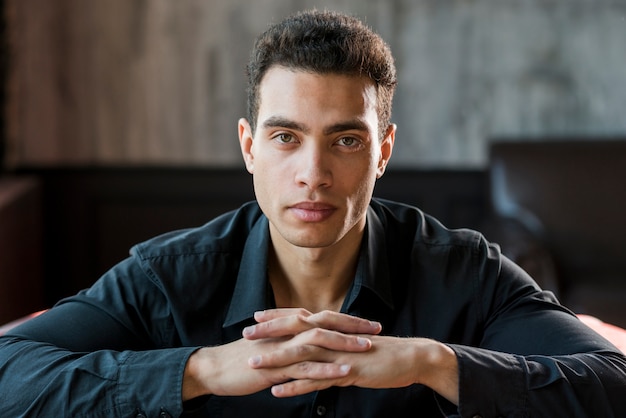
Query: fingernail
x: 345, y: 368
x: 278, y: 389
x: 362, y: 341
x: 247, y: 331
x: 255, y: 361
x: 375, y: 324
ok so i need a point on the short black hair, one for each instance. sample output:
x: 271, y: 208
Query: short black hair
x: 324, y: 42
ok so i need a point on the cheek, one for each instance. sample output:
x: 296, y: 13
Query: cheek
x: 268, y: 181
x: 361, y: 187
x: 364, y: 193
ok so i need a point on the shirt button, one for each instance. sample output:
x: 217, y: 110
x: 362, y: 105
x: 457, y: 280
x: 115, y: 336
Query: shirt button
x: 320, y: 411
x: 140, y: 415
x: 164, y: 414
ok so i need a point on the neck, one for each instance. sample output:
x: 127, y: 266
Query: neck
x: 312, y: 278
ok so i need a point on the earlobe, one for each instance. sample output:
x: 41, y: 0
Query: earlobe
x: 386, y: 149
x: 245, y: 142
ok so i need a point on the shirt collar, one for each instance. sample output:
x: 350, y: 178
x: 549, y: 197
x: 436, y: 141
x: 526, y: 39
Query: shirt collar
x: 372, y: 270
x: 252, y: 291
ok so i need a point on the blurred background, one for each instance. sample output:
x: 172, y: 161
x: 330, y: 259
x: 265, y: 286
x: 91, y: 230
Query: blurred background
x: 127, y: 82
x: 119, y: 116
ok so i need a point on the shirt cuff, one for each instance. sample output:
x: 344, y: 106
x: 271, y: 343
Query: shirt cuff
x: 151, y: 382
x: 491, y: 384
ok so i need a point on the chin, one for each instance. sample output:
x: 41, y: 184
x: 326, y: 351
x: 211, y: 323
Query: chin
x: 309, y: 242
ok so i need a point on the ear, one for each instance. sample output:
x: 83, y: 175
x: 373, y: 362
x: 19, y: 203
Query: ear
x: 386, y: 149
x: 245, y: 142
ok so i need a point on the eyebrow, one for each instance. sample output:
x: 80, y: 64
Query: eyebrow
x: 281, y: 122
x: 351, y: 125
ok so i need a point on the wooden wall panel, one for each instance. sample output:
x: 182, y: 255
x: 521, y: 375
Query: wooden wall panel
x: 161, y: 82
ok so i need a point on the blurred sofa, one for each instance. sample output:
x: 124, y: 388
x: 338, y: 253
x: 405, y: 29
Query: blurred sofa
x: 21, y: 288
x: 560, y: 210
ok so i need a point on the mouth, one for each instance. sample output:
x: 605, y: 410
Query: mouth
x: 312, y: 211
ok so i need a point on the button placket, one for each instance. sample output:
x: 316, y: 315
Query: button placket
x: 164, y: 414
x: 324, y: 403
x: 140, y: 414
x: 320, y: 410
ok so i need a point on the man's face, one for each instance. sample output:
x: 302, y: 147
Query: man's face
x: 315, y: 155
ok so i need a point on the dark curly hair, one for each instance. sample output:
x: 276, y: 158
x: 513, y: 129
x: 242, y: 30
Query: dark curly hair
x: 323, y: 42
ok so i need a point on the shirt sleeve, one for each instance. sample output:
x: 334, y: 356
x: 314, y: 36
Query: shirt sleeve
x: 90, y: 356
x: 103, y: 383
x: 536, y: 358
x: 495, y: 384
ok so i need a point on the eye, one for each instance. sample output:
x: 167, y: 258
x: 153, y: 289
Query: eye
x: 349, y: 141
x: 284, y: 138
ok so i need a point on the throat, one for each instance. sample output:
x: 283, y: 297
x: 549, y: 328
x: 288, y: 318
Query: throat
x: 288, y: 297
x: 314, y: 288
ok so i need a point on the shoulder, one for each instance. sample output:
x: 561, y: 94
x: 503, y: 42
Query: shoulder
x: 411, y: 224
x: 425, y: 245
x: 225, y: 233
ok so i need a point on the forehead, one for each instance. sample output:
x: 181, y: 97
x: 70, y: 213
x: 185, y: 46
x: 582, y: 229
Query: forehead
x: 307, y: 94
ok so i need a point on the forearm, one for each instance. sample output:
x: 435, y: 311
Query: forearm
x: 493, y: 384
x: 39, y: 379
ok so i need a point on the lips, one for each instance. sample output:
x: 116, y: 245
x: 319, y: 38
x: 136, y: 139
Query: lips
x: 312, y: 211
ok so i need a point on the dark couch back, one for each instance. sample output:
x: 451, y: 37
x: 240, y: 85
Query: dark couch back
x: 92, y: 216
x: 572, y: 195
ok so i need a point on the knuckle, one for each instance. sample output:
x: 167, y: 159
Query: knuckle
x: 316, y: 333
x: 303, y: 350
x: 327, y: 314
x: 304, y: 367
x: 301, y: 312
x: 302, y: 320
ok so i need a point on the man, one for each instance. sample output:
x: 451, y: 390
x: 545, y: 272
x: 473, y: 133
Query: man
x: 315, y: 300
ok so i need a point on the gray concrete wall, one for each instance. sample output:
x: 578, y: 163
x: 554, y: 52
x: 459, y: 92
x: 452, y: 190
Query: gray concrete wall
x: 111, y: 82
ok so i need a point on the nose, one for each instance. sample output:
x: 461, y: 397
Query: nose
x: 314, y: 168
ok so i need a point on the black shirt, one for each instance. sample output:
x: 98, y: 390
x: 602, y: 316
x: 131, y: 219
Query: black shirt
x: 119, y: 348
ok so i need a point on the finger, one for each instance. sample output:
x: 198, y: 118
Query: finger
x: 280, y: 326
x: 304, y: 386
x: 344, y: 323
x: 269, y: 314
x: 283, y: 322
x: 311, y: 370
x: 332, y: 340
x: 316, y: 345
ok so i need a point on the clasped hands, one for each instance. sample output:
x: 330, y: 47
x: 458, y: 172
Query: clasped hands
x: 294, y: 351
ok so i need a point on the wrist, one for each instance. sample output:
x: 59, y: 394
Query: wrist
x: 439, y: 371
x: 194, y: 378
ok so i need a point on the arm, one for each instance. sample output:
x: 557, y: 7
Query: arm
x: 574, y: 385
x: 549, y: 362
x: 482, y: 382
x: 108, y: 351
x: 91, y: 364
x: 71, y: 380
